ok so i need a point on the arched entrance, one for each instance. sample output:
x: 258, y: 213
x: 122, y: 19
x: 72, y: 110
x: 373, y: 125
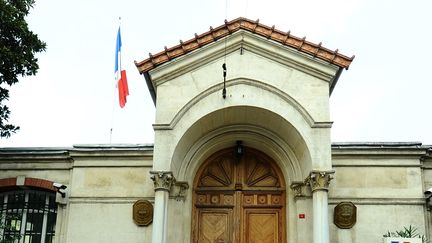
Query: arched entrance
x: 238, y: 199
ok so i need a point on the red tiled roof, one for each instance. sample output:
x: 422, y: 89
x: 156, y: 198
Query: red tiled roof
x: 214, y: 34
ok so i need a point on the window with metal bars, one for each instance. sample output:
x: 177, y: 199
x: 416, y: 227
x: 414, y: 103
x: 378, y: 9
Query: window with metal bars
x: 27, y: 216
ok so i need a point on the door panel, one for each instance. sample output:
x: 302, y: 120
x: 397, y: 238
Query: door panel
x: 214, y: 225
x: 239, y: 200
x: 258, y: 172
x: 261, y: 226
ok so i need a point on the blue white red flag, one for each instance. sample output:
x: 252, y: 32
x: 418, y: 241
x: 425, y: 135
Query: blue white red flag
x: 402, y: 240
x: 120, y: 75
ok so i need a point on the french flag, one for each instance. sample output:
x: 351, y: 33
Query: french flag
x: 402, y: 240
x: 119, y: 74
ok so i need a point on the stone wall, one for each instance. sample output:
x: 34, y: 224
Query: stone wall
x: 103, y: 182
x: 384, y: 181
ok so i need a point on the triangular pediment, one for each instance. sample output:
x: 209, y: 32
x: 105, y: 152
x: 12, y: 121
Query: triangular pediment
x: 271, y: 33
x: 242, y: 35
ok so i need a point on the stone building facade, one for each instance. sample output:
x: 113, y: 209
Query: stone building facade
x: 245, y: 157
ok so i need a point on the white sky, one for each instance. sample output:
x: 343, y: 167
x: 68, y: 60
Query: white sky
x: 384, y: 96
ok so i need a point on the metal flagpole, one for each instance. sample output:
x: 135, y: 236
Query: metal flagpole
x: 115, y: 86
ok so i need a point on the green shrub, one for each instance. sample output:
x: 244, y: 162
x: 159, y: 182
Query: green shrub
x: 407, y: 232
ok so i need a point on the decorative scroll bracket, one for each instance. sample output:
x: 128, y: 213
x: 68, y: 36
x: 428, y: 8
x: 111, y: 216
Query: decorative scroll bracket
x: 297, y: 187
x: 178, y: 190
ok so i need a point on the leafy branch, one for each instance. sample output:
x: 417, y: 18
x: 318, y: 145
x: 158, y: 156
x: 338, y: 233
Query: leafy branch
x: 18, y: 47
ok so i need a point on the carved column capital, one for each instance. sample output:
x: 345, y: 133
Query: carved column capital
x: 163, y: 180
x: 320, y: 180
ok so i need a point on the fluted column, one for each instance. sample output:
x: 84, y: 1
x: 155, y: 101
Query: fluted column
x: 319, y: 182
x: 163, y: 181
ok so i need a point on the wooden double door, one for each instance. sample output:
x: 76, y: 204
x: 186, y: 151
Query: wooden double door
x: 239, y: 199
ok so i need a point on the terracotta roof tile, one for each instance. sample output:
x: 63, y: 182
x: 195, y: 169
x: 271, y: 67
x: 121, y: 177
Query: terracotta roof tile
x: 284, y: 38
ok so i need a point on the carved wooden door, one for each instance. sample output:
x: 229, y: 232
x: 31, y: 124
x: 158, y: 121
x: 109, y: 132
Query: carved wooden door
x: 239, y: 199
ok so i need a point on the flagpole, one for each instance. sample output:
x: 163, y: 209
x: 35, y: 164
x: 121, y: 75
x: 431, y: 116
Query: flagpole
x: 112, y: 113
x: 114, y: 96
x: 120, y: 78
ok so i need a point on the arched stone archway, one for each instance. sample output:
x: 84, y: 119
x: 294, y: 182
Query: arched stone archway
x: 259, y: 129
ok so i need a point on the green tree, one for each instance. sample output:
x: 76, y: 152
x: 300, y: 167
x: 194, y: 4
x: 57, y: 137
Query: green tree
x: 6, y: 225
x: 18, y: 46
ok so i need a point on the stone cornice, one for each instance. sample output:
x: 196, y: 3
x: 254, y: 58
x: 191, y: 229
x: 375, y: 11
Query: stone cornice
x: 379, y: 149
x: 53, y: 154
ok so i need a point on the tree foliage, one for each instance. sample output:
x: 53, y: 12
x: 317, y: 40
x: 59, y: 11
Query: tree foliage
x: 18, y: 46
x: 9, y: 233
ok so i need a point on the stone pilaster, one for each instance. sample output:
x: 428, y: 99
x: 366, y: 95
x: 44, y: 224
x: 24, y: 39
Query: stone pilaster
x: 319, y: 182
x: 163, y: 180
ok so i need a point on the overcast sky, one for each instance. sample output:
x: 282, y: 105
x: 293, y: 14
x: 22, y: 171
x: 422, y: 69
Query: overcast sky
x: 384, y: 96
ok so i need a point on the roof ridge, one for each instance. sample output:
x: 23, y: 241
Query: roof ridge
x: 229, y: 27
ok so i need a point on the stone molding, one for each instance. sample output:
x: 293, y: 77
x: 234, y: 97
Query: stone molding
x: 248, y: 82
x: 420, y: 201
x: 163, y: 180
x: 319, y: 180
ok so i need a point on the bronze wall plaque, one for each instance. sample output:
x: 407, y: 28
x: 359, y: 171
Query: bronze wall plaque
x: 345, y: 215
x: 142, y: 212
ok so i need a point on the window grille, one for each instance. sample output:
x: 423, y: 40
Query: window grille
x: 27, y: 216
